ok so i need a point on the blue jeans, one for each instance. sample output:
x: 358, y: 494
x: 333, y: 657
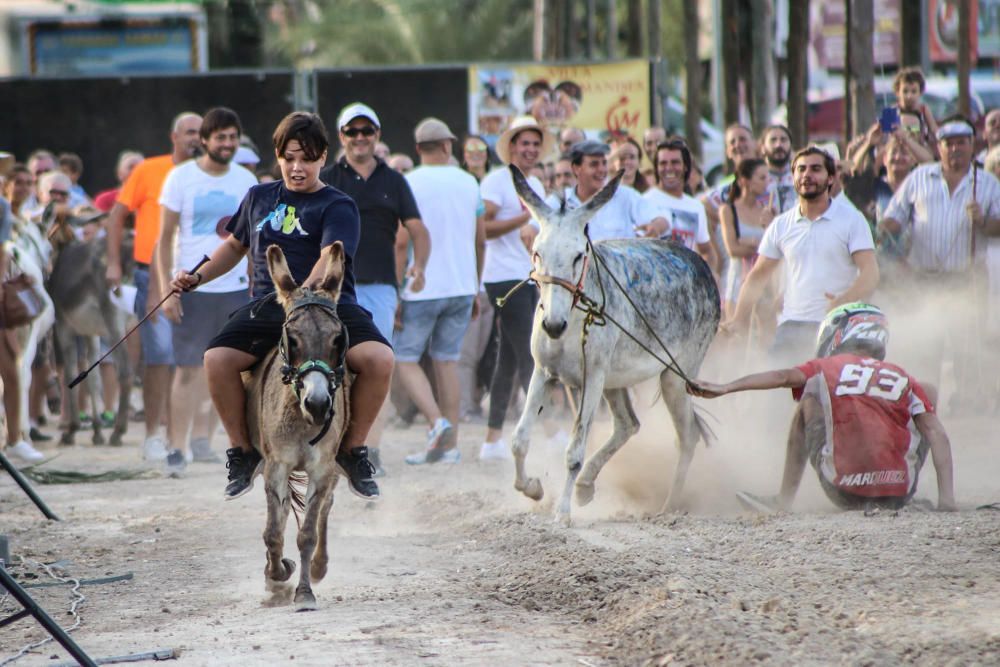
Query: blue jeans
x: 380, y: 300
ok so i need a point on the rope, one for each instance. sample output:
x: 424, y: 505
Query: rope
x: 596, y: 314
x: 78, y: 599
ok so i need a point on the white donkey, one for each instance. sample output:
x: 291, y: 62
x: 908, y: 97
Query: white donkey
x: 660, y: 293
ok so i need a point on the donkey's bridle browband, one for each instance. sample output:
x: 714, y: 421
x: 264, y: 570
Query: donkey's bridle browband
x: 576, y: 290
x: 292, y: 375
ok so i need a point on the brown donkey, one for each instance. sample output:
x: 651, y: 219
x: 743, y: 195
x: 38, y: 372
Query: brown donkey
x: 297, y: 411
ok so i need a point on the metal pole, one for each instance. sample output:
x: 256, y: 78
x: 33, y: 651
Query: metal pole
x: 717, y: 95
x: 26, y: 487
x: 53, y: 628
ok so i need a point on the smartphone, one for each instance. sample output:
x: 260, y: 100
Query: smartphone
x: 889, y: 120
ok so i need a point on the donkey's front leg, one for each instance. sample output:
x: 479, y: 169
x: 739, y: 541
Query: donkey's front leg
x: 319, y: 489
x: 278, y: 569
x: 590, y: 397
x: 529, y: 486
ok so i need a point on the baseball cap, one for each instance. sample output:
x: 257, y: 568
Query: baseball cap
x: 955, y: 128
x: 432, y: 129
x: 245, y: 155
x: 357, y: 110
x: 587, y: 147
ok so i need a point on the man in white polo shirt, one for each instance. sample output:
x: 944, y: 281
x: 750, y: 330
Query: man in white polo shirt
x: 625, y: 216
x: 830, y: 257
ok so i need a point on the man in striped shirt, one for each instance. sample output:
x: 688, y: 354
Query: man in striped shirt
x: 948, y: 208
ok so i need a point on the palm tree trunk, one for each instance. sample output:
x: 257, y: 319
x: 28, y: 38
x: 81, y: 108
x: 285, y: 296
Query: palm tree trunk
x: 798, y: 43
x: 763, y: 92
x: 635, y: 33
x: 730, y: 61
x: 612, y: 29
x: 964, y: 57
x: 692, y: 110
x: 862, y: 65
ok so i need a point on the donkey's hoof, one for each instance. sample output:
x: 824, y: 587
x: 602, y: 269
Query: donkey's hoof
x: 305, y: 601
x: 533, y: 489
x: 563, y: 519
x: 67, y: 438
x: 584, y: 493
x: 317, y: 571
x: 116, y: 439
x: 98, y: 439
x: 289, y: 566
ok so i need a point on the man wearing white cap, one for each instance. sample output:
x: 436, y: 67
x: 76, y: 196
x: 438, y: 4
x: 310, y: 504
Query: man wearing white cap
x: 384, y: 201
x: 434, y: 320
x: 510, y: 231
x: 948, y: 208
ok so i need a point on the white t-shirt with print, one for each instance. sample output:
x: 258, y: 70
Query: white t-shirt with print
x: 686, y: 215
x: 506, y: 256
x: 448, y: 199
x: 617, y: 219
x: 205, y: 203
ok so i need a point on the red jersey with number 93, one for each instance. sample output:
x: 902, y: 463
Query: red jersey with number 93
x: 871, y: 443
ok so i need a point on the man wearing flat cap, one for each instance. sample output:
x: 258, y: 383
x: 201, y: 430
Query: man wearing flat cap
x: 948, y: 209
x: 626, y: 215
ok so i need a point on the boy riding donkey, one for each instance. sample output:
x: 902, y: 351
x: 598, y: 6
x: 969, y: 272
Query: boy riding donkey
x: 304, y: 218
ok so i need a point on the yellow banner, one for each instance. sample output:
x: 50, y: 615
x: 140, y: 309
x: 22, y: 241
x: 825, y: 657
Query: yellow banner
x: 601, y: 99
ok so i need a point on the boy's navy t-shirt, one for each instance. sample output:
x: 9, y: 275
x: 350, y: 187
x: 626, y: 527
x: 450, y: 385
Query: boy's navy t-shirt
x: 301, y: 224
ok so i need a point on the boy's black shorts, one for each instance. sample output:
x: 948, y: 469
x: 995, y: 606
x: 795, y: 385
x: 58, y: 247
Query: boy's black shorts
x: 256, y: 327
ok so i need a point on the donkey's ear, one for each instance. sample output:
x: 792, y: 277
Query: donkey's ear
x: 333, y: 272
x: 539, y: 210
x: 280, y: 273
x: 605, y: 194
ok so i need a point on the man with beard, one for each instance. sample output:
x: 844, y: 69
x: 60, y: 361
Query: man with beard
x: 141, y: 195
x: 198, y: 199
x: 776, y: 145
x: 827, y: 246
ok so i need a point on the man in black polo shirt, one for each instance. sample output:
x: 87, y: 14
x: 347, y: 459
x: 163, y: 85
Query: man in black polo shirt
x: 384, y: 201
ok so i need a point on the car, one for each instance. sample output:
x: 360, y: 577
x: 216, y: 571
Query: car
x: 713, y: 142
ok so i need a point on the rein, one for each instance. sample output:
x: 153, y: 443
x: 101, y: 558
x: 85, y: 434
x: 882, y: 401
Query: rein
x: 596, y: 313
x: 292, y: 375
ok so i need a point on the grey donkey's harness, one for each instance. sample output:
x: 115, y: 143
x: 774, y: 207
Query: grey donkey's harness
x: 292, y: 375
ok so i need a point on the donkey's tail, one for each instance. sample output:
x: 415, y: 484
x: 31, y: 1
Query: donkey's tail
x: 297, y: 483
x: 707, y: 434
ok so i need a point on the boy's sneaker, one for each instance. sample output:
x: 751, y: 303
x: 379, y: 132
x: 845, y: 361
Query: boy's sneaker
x: 376, y: 458
x: 176, y: 463
x: 24, y: 451
x: 243, y: 466
x: 758, y: 504
x: 107, y: 419
x: 358, y: 468
x: 435, y: 456
x: 154, y: 448
x: 495, y: 451
x: 201, y: 451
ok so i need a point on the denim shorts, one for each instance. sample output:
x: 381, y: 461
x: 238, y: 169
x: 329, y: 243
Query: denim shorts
x: 156, y: 335
x: 380, y: 300
x: 205, y: 313
x: 434, y: 325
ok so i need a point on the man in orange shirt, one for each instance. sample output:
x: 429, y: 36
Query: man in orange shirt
x: 141, y: 195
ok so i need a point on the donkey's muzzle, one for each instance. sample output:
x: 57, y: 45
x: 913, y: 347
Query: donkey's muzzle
x: 316, y: 408
x: 554, y: 329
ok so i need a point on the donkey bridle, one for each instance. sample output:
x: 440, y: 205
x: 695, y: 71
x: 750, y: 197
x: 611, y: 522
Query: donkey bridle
x: 292, y: 375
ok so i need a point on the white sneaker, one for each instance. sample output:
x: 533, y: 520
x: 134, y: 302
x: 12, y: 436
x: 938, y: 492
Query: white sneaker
x: 154, y: 448
x: 495, y: 451
x: 24, y: 451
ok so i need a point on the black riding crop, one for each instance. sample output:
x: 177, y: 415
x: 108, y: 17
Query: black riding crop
x: 79, y: 378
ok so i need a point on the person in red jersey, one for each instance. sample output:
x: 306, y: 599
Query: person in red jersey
x: 864, y: 423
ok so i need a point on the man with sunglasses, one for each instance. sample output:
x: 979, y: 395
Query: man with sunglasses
x: 384, y: 201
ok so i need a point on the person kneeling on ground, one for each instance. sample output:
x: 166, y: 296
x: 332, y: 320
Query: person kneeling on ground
x: 855, y: 420
x: 303, y: 217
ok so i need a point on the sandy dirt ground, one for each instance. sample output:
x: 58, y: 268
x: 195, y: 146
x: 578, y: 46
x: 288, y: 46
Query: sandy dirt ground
x: 453, y: 567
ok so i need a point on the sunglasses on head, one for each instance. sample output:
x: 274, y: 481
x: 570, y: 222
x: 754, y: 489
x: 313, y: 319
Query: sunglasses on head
x: 367, y: 131
x: 475, y: 148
